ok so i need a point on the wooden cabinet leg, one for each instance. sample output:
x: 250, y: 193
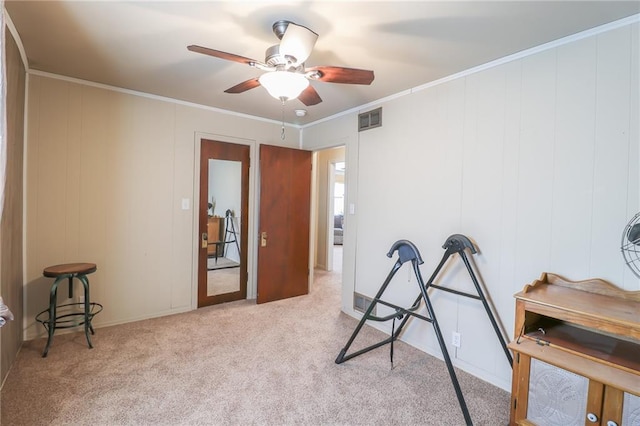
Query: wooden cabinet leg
x: 612, y: 407
x: 520, y: 387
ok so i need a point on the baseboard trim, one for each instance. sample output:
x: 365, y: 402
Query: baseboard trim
x: 458, y: 363
x: 33, y: 335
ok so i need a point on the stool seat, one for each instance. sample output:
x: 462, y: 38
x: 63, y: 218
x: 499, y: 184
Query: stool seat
x: 69, y: 269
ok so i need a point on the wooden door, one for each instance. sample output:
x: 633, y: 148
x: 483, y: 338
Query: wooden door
x: 214, y: 150
x: 285, y: 203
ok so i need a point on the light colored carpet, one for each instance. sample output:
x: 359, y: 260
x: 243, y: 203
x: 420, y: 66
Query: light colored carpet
x: 240, y: 364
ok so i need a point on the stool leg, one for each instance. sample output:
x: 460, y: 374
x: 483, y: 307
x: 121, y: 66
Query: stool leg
x: 87, y: 309
x: 87, y: 304
x: 52, y: 313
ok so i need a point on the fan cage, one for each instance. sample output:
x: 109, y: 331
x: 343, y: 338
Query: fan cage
x: 630, y: 245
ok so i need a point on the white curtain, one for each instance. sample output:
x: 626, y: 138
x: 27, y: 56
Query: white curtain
x: 3, y: 110
x: 3, y: 140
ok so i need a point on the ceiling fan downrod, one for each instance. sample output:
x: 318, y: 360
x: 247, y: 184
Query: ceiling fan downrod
x: 282, y: 135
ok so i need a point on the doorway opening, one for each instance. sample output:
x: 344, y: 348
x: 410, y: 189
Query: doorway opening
x: 330, y: 208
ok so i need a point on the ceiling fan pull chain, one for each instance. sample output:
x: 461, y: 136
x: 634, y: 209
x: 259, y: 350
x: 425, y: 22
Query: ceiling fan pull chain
x: 282, y: 136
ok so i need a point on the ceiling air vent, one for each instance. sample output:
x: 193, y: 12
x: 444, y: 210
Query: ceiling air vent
x: 369, y: 120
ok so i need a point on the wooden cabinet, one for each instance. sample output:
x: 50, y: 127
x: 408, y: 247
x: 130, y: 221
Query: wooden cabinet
x: 576, y: 354
x: 215, y: 235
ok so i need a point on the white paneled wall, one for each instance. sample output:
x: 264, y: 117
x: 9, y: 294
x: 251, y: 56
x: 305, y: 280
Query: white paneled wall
x: 611, y: 186
x: 106, y: 175
x: 536, y: 160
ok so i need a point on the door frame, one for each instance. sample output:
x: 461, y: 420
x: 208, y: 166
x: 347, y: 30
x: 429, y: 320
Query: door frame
x: 252, y: 231
x: 331, y: 180
x: 319, y: 235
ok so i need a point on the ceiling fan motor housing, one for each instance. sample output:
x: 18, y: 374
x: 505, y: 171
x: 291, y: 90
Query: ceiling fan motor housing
x: 274, y: 59
x: 272, y: 56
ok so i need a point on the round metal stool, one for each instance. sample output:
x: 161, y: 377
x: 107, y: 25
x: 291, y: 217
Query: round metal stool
x: 65, y: 316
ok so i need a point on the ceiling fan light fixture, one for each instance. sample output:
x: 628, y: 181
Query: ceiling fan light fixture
x: 286, y: 76
x: 284, y: 85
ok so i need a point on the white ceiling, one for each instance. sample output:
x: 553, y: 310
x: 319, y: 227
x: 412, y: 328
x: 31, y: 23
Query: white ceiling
x: 141, y: 45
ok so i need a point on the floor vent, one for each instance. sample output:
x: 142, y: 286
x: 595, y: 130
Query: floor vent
x: 370, y: 120
x: 361, y: 303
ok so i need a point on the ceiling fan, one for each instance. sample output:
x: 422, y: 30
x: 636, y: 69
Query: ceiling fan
x: 286, y: 76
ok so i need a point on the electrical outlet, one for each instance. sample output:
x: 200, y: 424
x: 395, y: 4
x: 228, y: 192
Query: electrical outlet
x: 455, y: 339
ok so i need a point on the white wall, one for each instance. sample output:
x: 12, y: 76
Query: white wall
x: 535, y: 159
x: 106, y: 174
x: 342, y: 130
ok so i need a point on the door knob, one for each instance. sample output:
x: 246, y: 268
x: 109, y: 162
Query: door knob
x: 263, y: 239
x: 205, y: 237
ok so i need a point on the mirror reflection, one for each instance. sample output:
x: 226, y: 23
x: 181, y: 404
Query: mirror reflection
x: 223, y: 227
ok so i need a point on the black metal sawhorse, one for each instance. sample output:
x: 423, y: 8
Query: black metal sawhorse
x: 407, y: 251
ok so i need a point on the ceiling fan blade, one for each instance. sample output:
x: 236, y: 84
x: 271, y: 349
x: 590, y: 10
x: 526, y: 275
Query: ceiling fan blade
x: 244, y: 86
x: 222, y: 55
x: 343, y: 75
x: 309, y: 96
x: 297, y: 43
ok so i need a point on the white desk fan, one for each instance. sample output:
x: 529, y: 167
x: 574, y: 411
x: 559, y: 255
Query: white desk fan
x: 630, y: 245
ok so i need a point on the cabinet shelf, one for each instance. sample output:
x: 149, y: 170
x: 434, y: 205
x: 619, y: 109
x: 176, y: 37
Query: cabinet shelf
x: 613, y: 311
x: 599, y: 347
